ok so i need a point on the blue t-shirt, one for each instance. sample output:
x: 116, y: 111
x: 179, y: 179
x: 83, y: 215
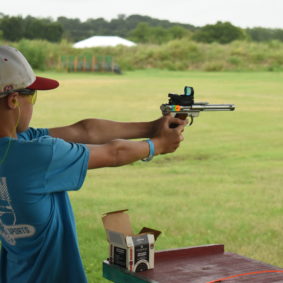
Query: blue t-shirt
x: 37, y: 226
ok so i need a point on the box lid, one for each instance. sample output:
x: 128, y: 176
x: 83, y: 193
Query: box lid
x: 118, y: 221
x: 147, y: 230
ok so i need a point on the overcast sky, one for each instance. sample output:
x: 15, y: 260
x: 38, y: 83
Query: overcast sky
x: 242, y: 13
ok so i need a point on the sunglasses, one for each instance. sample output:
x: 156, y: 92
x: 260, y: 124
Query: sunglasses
x: 30, y: 93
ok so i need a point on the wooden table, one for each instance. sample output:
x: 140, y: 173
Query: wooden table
x: 201, y: 264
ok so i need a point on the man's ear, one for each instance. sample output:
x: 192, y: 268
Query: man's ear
x: 13, y: 100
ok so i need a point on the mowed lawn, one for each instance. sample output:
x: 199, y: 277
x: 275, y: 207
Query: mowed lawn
x: 224, y: 184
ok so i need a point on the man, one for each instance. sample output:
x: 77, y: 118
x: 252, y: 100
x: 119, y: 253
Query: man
x: 39, y: 166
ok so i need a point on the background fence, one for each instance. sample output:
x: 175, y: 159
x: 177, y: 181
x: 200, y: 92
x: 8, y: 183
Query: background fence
x: 88, y: 63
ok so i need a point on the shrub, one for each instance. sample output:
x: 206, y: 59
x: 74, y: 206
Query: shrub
x: 179, y: 54
x: 35, y: 54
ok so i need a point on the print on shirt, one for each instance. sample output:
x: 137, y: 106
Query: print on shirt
x: 9, y: 231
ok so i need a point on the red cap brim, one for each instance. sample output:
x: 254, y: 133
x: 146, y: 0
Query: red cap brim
x: 41, y: 83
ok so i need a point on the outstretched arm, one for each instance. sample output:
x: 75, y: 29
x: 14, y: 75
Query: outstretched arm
x: 99, y: 131
x: 121, y: 152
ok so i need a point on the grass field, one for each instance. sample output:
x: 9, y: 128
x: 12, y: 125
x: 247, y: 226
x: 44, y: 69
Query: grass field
x: 224, y: 184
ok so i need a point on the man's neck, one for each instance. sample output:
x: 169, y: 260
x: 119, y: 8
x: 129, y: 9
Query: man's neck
x: 7, y: 127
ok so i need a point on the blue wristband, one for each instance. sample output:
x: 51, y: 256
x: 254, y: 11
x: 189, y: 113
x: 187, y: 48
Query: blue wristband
x: 151, y: 150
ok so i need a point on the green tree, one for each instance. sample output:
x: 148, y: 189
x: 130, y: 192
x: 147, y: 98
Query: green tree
x: 34, y: 28
x: 73, y: 29
x: 93, y: 27
x: 278, y: 34
x: 119, y: 26
x: 12, y: 28
x: 222, y: 32
x: 144, y: 33
x: 178, y: 32
x: 260, y: 34
x: 141, y: 33
x: 159, y: 35
x: 139, y: 28
x: 54, y: 32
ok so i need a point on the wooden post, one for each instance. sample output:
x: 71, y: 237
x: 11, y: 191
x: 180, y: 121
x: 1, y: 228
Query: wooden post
x: 93, y: 63
x: 84, y: 64
x: 75, y: 63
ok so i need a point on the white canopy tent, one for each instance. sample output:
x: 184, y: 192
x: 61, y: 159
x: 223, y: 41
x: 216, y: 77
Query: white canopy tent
x: 103, y: 41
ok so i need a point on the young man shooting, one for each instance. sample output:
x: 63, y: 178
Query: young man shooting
x: 39, y: 166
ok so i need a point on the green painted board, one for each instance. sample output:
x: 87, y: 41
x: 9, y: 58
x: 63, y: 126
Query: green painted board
x: 119, y: 275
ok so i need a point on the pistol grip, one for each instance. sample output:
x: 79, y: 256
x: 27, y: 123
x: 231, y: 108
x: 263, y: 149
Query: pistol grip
x: 180, y: 116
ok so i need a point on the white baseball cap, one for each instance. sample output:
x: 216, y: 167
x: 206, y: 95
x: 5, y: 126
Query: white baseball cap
x: 16, y: 73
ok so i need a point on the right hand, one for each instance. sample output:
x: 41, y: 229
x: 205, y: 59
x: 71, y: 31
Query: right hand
x: 167, y: 139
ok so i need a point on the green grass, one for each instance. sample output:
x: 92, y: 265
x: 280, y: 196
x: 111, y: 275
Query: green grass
x: 224, y: 184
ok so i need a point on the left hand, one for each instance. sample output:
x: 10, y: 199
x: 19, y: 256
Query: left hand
x: 157, y: 124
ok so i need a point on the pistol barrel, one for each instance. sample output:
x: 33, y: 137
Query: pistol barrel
x: 196, y: 107
x: 211, y: 107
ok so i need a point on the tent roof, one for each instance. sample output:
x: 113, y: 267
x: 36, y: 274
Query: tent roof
x: 103, y: 41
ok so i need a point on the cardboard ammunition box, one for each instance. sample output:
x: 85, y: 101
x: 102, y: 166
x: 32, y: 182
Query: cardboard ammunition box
x: 134, y: 252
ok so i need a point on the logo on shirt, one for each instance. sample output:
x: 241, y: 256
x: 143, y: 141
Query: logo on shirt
x: 9, y: 230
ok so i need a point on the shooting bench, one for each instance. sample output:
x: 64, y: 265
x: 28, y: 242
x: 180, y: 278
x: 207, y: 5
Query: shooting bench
x: 203, y: 264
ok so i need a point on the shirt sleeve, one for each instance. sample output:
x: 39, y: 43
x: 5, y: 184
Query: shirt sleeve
x: 67, y: 167
x: 32, y: 133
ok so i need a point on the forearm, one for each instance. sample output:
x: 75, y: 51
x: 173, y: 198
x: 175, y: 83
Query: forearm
x: 120, y: 152
x: 99, y: 131
x: 117, y: 153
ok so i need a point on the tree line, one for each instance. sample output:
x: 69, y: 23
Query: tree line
x: 141, y: 29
